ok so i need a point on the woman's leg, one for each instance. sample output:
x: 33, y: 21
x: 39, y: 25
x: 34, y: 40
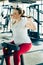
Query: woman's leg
x: 23, y: 48
x: 5, y: 51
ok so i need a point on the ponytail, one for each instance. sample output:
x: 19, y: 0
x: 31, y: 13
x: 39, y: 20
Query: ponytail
x: 22, y: 13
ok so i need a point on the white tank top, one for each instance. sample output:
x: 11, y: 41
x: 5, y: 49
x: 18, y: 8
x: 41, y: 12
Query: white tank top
x: 20, y: 34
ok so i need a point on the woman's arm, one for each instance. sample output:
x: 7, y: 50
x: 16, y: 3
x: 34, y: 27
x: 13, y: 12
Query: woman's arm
x: 30, y: 24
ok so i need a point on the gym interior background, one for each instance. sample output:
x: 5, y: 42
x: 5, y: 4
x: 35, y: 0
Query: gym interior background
x: 32, y: 8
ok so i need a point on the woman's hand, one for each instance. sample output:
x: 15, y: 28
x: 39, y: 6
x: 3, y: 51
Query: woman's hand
x: 30, y: 24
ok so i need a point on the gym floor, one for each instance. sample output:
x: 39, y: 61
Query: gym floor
x: 33, y: 57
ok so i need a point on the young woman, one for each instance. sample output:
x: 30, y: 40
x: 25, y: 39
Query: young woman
x: 19, y: 26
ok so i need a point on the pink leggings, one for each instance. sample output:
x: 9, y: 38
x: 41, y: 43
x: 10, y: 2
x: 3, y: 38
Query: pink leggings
x: 16, y: 56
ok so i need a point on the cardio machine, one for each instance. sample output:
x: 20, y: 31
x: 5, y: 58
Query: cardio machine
x: 9, y: 46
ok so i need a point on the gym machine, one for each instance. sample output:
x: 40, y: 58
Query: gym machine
x: 5, y: 16
x: 34, y: 35
x: 11, y: 47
